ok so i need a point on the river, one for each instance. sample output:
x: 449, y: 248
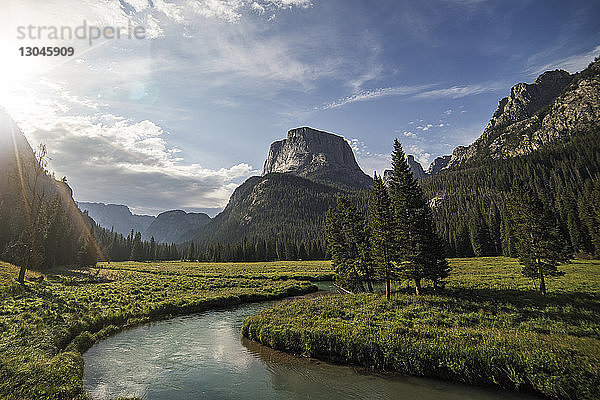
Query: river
x: 203, y: 356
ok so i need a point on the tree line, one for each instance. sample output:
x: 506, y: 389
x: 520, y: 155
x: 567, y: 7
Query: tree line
x: 116, y: 247
x: 470, y: 204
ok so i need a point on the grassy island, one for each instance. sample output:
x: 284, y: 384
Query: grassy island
x: 488, y: 327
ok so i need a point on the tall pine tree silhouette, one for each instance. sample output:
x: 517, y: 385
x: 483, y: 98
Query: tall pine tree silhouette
x: 420, y: 252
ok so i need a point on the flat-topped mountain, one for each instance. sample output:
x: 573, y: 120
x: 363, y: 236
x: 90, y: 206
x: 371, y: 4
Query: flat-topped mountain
x: 302, y: 177
x: 320, y: 156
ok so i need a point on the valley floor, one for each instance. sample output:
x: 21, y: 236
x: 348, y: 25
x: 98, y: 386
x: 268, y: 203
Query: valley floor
x: 487, y: 328
x: 48, y: 323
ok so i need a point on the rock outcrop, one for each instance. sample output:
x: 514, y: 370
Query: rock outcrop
x: 316, y: 155
x: 552, y: 108
x: 438, y: 164
x: 415, y: 167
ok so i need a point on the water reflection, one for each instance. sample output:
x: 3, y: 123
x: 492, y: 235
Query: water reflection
x: 203, y: 357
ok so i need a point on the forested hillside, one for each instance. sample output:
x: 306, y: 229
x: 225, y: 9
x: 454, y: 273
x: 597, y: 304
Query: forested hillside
x: 556, y: 152
x: 41, y: 227
x: 273, y: 212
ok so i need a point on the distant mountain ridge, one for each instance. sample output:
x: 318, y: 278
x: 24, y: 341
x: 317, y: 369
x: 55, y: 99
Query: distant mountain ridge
x: 168, y: 227
x: 117, y: 217
x: 175, y: 226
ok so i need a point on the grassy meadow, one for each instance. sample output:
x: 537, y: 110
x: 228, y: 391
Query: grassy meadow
x: 274, y: 270
x: 489, y: 327
x: 47, y: 324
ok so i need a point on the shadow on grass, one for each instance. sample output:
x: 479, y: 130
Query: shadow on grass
x: 578, y: 313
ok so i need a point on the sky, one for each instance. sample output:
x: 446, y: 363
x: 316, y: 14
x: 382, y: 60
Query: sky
x: 178, y: 119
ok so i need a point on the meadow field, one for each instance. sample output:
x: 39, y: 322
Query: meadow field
x: 489, y: 327
x: 49, y: 322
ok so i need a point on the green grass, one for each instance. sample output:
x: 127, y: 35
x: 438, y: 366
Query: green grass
x: 488, y: 328
x: 47, y: 324
x: 275, y: 270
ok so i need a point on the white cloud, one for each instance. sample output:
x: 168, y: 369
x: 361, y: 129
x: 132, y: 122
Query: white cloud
x: 110, y: 158
x: 417, y: 92
x: 425, y: 127
x: 456, y: 92
x: 422, y: 156
x: 572, y: 64
x: 373, y: 94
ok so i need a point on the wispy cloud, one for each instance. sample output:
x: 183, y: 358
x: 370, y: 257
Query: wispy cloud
x: 456, y: 92
x: 572, y: 64
x: 373, y: 94
x: 417, y: 92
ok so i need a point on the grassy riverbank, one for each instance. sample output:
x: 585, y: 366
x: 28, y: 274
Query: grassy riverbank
x: 47, y: 324
x: 488, y: 327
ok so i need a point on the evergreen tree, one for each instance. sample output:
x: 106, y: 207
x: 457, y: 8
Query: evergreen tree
x: 382, y: 232
x: 479, y: 234
x: 349, y: 246
x: 419, y: 255
x: 137, y: 249
x: 540, y: 244
x: 152, y: 255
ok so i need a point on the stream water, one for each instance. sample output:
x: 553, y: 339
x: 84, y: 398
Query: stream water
x: 203, y: 356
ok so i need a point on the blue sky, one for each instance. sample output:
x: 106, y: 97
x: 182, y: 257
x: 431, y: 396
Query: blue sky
x: 179, y: 119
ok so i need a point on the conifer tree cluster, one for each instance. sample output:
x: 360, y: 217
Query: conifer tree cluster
x: 399, y: 241
x: 470, y: 203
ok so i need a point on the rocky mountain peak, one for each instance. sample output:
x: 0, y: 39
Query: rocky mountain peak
x: 554, y: 107
x: 415, y: 167
x: 527, y: 99
x: 316, y: 155
x: 438, y: 164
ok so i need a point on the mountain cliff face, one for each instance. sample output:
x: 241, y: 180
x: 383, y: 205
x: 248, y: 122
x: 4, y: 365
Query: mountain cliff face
x: 15, y: 150
x: 316, y: 155
x: 175, y: 226
x: 302, y: 177
x: 117, y: 217
x: 438, y: 164
x: 415, y: 167
x: 28, y: 192
x: 552, y: 108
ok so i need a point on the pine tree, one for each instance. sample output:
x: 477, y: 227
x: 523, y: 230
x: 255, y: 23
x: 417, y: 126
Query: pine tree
x: 382, y: 231
x: 420, y: 253
x: 348, y: 244
x: 152, y: 255
x: 191, y: 253
x: 540, y: 244
x: 137, y: 249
